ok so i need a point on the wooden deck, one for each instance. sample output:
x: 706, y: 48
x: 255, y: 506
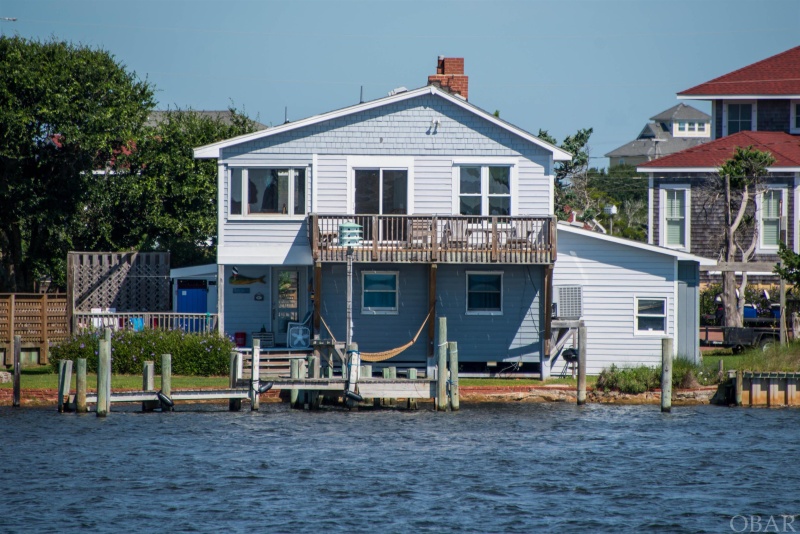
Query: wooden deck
x: 435, y: 239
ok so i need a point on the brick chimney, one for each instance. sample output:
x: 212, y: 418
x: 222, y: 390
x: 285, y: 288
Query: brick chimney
x: 450, y: 76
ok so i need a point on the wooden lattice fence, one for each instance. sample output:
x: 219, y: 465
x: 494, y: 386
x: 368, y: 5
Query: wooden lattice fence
x: 40, y: 320
x: 125, y: 282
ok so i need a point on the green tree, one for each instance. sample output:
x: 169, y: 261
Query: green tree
x: 165, y: 196
x: 626, y: 189
x: 65, y: 111
x: 738, y: 180
x: 571, y: 176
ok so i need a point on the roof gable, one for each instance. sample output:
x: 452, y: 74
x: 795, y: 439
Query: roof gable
x: 684, y: 256
x: 681, y: 112
x: 784, y: 148
x: 214, y: 150
x: 778, y: 75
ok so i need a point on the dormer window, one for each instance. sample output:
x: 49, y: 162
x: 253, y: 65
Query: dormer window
x: 794, y: 121
x: 681, y: 126
x: 739, y: 119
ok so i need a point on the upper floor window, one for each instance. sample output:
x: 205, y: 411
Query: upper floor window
x: 484, y: 190
x: 770, y: 218
x: 675, y: 218
x: 794, y: 121
x: 691, y: 126
x: 701, y: 127
x: 266, y: 191
x: 681, y: 126
x: 740, y: 118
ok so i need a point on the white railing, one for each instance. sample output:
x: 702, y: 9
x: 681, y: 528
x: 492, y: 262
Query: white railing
x: 137, y: 321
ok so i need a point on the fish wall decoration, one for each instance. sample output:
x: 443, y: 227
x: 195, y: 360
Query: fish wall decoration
x: 241, y: 280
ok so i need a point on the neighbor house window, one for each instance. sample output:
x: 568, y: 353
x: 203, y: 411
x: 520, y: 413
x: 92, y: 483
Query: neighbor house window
x: 484, y: 190
x: 264, y: 191
x: 675, y: 232
x: 379, y: 293
x: 651, y: 315
x: 701, y: 127
x: 484, y: 293
x: 691, y: 126
x: 681, y: 126
x: 740, y: 118
x: 794, y: 120
x: 771, y: 204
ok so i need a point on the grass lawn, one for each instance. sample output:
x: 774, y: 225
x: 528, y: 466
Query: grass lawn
x: 45, y: 378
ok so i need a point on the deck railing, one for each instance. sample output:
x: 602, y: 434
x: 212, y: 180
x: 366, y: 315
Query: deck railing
x: 188, y: 322
x: 435, y: 238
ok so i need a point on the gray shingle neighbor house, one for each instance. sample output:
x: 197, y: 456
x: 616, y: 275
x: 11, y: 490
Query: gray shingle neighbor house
x: 675, y: 129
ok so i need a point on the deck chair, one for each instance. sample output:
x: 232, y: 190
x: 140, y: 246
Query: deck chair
x: 298, y: 334
x: 419, y: 233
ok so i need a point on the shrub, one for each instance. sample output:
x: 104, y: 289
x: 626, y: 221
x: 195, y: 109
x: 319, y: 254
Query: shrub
x: 635, y: 380
x: 192, y: 354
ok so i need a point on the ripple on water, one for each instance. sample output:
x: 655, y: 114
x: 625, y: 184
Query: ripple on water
x: 489, y: 468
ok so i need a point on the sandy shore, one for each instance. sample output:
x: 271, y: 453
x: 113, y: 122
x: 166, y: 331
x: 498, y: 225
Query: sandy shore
x: 681, y: 397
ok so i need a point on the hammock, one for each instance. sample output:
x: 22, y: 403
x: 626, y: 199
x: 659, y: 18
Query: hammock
x: 386, y: 354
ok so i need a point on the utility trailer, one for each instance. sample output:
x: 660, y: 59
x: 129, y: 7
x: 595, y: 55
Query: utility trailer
x: 738, y: 338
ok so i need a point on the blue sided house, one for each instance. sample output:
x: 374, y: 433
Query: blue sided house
x: 442, y: 209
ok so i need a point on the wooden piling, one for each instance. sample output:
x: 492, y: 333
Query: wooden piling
x: 149, y: 384
x: 103, y: 378
x: 166, y: 379
x: 294, y: 374
x: 64, y: 382
x: 315, y: 371
x: 581, y: 365
x: 255, y: 375
x: 739, y: 386
x: 441, y: 367
x: 17, y: 371
x: 80, y: 386
x: 392, y: 375
x: 455, y: 403
x: 666, y: 375
x: 411, y: 404
x: 234, y: 405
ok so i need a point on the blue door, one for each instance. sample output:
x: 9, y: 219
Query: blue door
x: 192, y: 300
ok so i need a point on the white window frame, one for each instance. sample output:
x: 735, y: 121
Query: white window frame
x: 659, y: 333
x: 794, y: 118
x: 381, y: 311
x: 484, y: 164
x: 762, y: 248
x: 467, y: 311
x: 382, y: 163
x: 290, y: 198
x: 687, y: 227
x: 753, y: 118
x: 681, y: 126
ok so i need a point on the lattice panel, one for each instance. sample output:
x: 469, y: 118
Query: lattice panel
x: 127, y: 282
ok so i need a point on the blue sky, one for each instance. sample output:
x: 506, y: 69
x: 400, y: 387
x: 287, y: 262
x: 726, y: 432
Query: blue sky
x: 557, y: 65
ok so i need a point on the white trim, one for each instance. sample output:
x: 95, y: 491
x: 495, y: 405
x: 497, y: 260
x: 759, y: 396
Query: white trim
x: 381, y: 311
x: 222, y: 186
x: 650, y: 185
x: 650, y: 333
x: 566, y: 227
x: 761, y: 248
x: 314, y: 167
x: 710, y: 170
x: 381, y: 163
x: 687, y: 216
x: 214, y: 150
x: 466, y: 294
x: 794, y: 112
x: 753, y: 115
x: 796, y: 215
x: 736, y: 97
x: 671, y: 326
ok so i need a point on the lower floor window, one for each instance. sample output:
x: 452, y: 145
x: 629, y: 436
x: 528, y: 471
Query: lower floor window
x: 484, y: 293
x: 651, y: 315
x: 380, y: 292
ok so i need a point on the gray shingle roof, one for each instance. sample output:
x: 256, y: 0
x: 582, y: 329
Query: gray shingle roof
x: 681, y: 112
x: 647, y: 147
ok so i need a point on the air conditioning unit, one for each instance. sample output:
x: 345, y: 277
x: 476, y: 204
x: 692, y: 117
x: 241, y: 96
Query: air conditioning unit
x: 568, y: 302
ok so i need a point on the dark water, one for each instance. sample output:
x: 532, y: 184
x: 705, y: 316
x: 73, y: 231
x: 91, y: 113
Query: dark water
x: 489, y: 468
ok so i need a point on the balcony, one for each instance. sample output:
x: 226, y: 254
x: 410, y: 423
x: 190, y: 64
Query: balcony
x: 434, y: 239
